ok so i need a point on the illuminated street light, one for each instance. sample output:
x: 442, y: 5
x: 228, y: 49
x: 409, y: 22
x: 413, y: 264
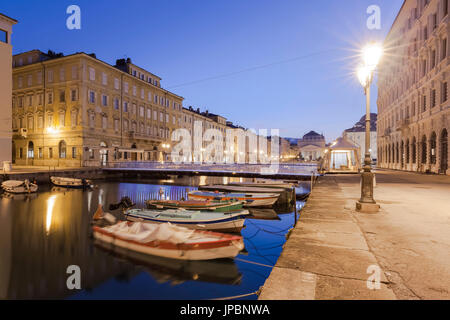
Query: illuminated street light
x: 371, y: 55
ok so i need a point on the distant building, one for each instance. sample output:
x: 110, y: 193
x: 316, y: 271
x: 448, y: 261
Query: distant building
x: 312, y: 146
x: 6, y: 24
x: 357, y: 135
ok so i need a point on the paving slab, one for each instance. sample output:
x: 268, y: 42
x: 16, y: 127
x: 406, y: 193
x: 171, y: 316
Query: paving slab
x: 289, y: 284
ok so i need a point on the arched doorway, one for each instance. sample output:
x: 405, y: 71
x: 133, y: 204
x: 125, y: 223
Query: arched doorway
x: 103, y: 154
x: 444, y: 151
x: 433, y: 144
x: 397, y: 153
x: 423, y: 150
x: 407, y: 159
x: 414, y: 151
x: 134, y: 154
x: 402, y: 154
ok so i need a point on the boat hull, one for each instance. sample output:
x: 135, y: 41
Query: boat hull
x: 217, y: 207
x: 232, y: 223
x: 69, y: 184
x: 248, y: 201
x: 198, y: 251
x: 21, y: 189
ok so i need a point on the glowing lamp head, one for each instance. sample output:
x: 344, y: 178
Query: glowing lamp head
x: 364, y: 73
x: 372, y: 54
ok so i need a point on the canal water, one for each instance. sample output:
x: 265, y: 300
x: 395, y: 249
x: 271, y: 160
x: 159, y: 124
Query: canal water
x: 41, y: 235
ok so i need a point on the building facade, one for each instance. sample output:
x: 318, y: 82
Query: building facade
x: 413, y: 104
x: 357, y: 135
x: 77, y: 110
x: 6, y: 25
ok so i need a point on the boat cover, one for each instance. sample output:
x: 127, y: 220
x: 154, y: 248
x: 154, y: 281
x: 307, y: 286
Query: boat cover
x: 12, y: 183
x: 146, y: 232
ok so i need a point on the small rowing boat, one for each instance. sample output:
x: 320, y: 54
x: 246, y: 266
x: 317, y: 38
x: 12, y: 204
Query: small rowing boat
x: 202, y: 220
x: 71, y: 182
x: 250, y: 199
x: 169, y: 241
x: 19, y: 186
x: 204, y: 205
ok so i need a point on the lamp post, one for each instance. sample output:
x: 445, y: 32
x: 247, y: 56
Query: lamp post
x: 371, y: 56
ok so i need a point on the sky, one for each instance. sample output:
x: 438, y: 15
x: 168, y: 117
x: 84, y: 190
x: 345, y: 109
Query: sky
x: 262, y: 64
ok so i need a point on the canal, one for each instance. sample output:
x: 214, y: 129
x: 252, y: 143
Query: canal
x: 44, y: 233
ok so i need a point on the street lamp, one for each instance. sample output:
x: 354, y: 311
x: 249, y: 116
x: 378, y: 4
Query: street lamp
x: 371, y: 55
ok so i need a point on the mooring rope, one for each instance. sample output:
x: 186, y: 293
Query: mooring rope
x: 252, y: 262
x: 239, y: 296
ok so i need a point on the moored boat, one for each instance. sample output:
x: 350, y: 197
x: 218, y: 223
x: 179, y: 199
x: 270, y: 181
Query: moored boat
x: 71, y: 182
x: 170, y: 241
x: 201, y: 220
x: 250, y: 199
x: 205, y: 205
x: 19, y: 186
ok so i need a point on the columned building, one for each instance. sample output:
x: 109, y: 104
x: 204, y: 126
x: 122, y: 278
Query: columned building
x: 312, y: 146
x: 6, y: 25
x: 413, y: 105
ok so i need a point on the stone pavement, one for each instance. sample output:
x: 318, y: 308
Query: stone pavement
x: 328, y: 252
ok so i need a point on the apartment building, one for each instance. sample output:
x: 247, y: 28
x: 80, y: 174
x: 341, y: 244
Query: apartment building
x: 77, y: 110
x: 6, y: 25
x: 413, y: 104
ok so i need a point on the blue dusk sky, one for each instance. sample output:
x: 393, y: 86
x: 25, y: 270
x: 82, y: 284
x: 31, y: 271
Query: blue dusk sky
x: 284, y: 64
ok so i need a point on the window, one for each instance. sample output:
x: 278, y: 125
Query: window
x: 62, y: 96
x: 74, y: 152
x: 91, y: 74
x: 91, y: 120
x: 149, y: 113
x: 74, y: 118
x: 141, y: 111
x: 91, y: 96
x: 149, y: 96
x: 62, y: 149
x: 443, y: 49
x: 74, y: 72
x: 19, y: 82
x: 39, y: 77
x: 50, y: 97
x: 155, y: 115
x: 116, y: 125
x: 73, y: 95
x: 49, y: 119
x: 104, y: 79
x: 133, y: 108
x: 105, y: 100
x: 125, y: 86
x: 40, y: 122
x: 116, y: 84
x: 40, y: 152
x: 433, y: 58
x: 433, y: 98
x: 50, y: 153
x: 125, y: 125
x: 142, y: 93
x: 3, y: 36
x: 424, y: 103
x: 444, y: 92
x: 134, y: 90
x: 62, y: 75
x: 116, y: 104
x: 40, y: 97
x: 104, y: 122
x: 30, y: 123
x: 125, y: 106
x: 29, y: 80
x: 161, y: 117
x: 30, y: 101
x: 50, y: 75
x: 62, y: 119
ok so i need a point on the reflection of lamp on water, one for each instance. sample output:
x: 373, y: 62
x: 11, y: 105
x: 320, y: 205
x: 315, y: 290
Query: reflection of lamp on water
x: 48, y: 218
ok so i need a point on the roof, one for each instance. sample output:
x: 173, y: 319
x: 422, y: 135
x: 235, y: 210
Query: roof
x: 312, y: 134
x: 360, y: 126
x: 343, y: 144
x: 13, y: 21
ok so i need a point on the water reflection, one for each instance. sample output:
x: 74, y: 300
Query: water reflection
x: 42, y: 234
